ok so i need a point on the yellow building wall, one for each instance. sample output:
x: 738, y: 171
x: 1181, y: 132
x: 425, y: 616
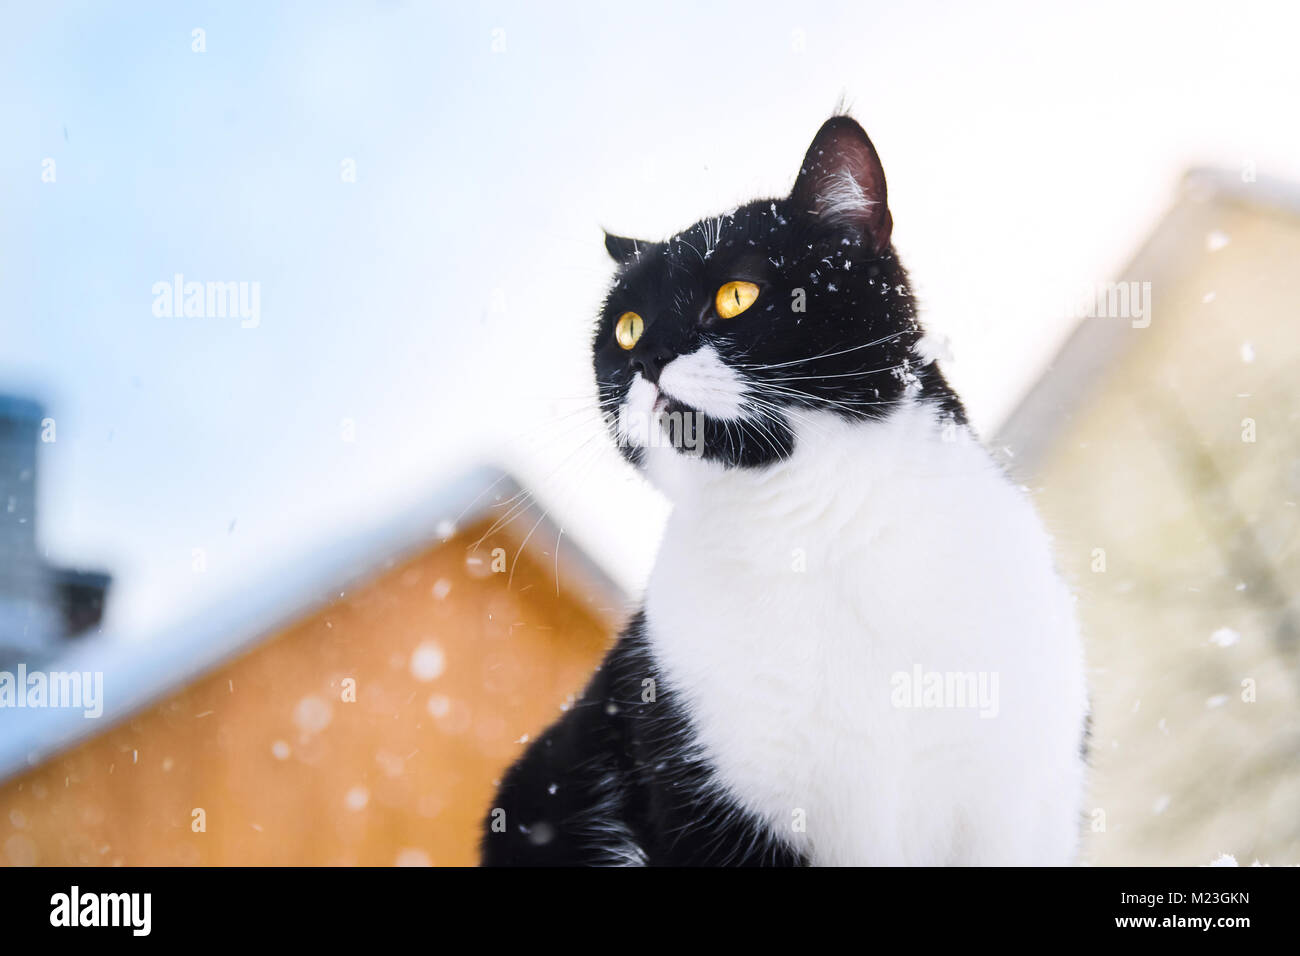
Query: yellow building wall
x: 453, y: 665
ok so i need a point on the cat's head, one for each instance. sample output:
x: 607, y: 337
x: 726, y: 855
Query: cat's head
x: 717, y: 342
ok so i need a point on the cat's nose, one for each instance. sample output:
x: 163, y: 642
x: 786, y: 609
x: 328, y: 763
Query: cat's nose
x: 650, y: 361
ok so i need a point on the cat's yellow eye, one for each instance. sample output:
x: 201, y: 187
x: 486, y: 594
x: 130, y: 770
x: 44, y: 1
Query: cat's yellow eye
x: 628, y: 329
x: 734, y: 298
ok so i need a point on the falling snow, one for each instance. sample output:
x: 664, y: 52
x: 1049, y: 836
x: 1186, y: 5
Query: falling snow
x: 312, y: 715
x: 1225, y: 637
x: 427, y: 662
x: 412, y: 857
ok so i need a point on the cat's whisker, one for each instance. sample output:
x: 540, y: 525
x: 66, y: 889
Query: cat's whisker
x: 846, y: 404
x: 825, y: 355
x: 805, y: 378
x: 477, y: 498
x: 524, y: 544
x: 784, y: 410
x: 773, y: 443
x: 503, y: 521
x: 551, y: 433
x: 518, y: 503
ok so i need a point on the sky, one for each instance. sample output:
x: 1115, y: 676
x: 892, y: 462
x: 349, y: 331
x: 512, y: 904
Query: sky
x: 418, y: 190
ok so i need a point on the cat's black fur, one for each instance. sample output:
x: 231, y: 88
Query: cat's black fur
x: 617, y: 779
x: 615, y: 782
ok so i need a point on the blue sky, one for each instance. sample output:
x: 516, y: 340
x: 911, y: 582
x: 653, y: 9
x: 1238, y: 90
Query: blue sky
x: 441, y: 301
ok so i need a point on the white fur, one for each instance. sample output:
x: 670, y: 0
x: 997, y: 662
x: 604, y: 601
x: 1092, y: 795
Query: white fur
x: 636, y: 415
x: 700, y: 379
x: 704, y: 382
x: 918, y: 551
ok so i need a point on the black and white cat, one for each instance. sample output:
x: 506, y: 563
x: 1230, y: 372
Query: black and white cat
x: 854, y: 647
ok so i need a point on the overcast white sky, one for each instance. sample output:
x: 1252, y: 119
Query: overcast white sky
x: 442, y: 301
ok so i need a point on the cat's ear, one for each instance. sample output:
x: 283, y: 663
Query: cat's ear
x: 841, y: 181
x: 621, y: 249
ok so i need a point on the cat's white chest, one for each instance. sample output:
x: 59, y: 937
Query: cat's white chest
x: 874, y: 648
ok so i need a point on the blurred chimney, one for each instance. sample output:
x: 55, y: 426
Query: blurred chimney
x: 38, y: 604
